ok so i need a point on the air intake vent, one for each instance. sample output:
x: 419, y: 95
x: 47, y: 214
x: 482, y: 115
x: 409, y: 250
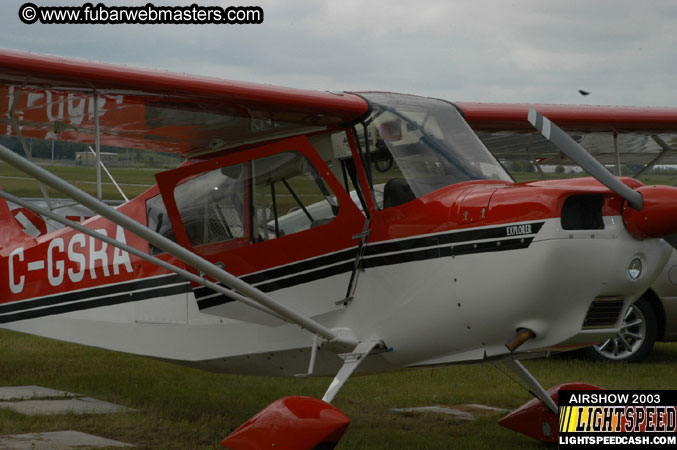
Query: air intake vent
x: 582, y: 212
x: 603, y: 312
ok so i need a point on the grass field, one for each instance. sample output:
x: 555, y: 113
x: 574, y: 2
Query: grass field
x: 133, y: 181
x: 183, y: 408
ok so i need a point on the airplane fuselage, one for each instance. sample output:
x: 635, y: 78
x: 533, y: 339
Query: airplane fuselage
x: 447, y: 278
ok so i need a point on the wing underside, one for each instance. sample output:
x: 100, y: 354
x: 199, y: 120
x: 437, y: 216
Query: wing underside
x: 633, y: 148
x: 59, y: 99
x: 635, y: 136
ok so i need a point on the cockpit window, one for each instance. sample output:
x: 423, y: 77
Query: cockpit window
x: 211, y: 205
x: 253, y: 201
x: 417, y: 145
x: 289, y: 196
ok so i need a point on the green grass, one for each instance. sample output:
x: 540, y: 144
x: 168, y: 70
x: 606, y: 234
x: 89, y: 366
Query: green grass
x: 183, y: 408
x: 133, y: 181
x: 88, y: 173
x: 31, y: 189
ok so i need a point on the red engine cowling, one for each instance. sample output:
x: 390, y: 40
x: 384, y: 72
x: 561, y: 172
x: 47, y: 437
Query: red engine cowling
x: 658, y: 217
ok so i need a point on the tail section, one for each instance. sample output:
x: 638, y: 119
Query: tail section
x: 12, y: 230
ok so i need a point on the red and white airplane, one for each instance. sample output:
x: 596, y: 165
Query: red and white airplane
x: 321, y: 233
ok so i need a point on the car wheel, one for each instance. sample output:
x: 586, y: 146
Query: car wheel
x: 635, y: 339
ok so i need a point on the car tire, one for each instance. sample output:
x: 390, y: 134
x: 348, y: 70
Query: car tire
x: 636, y: 338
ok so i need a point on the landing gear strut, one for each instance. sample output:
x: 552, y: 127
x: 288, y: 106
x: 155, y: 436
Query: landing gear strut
x: 538, y: 418
x: 301, y: 423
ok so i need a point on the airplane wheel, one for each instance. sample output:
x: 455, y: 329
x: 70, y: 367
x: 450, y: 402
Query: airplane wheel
x: 636, y: 338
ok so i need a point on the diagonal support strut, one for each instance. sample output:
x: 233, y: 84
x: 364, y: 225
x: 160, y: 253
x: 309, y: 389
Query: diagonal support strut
x: 534, y: 386
x: 171, y: 247
x: 351, y: 361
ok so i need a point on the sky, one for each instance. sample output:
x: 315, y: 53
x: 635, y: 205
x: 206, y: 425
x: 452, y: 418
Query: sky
x: 623, y: 52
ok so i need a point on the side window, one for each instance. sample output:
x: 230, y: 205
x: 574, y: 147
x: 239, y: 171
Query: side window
x: 211, y: 205
x: 257, y: 200
x: 335, y: 151
x: 289, y: 196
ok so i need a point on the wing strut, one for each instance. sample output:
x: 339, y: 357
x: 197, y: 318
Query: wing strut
x: 97, y: 146
x: 110, y: 176
x: 534, y: 386
x: 619, y: 168
x: 172, y: 247
x: 534, y: 159
x: 538, y: 418
x: 24, y: 145
x: 145, y: 256
x: 666, y: 149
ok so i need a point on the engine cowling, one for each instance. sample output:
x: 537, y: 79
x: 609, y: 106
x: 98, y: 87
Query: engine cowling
x: 657, y: 218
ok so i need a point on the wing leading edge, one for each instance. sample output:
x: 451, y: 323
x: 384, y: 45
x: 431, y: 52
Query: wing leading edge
x: 54, y: 98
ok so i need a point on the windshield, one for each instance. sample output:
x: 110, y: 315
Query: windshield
x: 418, y: 145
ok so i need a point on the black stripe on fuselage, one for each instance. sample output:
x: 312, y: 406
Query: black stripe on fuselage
x: 114, y: 294
x: 380, y: 254
x: 376, y: 255
x: 301, y: 266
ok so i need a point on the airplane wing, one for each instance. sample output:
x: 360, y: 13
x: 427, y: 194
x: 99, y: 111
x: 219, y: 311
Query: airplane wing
x: 54, y: 98
x: 644, y: 136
